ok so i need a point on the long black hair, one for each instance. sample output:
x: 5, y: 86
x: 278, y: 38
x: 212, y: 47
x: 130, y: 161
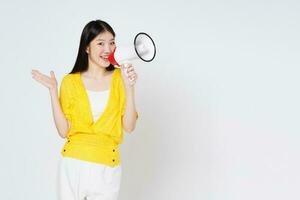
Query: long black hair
x: 90, y: 31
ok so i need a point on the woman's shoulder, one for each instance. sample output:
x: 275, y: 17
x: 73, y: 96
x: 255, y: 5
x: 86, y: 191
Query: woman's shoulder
x: 117, y: 71
x: 70, y: 76
x: 69, y: 79
x: 118, y: 74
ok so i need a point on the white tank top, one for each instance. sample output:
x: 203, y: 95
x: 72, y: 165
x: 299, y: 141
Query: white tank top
x: 98, y: 101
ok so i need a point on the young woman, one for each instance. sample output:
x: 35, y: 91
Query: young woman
x: 96, y: 103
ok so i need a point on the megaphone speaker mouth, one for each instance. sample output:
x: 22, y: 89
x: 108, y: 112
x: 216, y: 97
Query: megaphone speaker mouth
x: 144, y: 47
x: 111, y: 58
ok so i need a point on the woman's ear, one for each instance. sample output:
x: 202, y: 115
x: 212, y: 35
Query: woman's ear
x: 87, y: 50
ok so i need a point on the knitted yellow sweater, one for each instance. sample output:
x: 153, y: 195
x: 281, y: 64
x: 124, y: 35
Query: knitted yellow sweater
x: 88, y: 140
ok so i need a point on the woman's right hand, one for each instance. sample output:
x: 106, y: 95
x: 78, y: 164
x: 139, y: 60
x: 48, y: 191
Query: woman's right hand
x: 48, y: 81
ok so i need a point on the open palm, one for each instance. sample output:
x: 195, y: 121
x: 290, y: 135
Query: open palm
x: 48, y: 81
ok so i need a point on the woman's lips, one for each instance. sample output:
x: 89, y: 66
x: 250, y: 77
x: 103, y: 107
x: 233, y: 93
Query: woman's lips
x: 104, y: 58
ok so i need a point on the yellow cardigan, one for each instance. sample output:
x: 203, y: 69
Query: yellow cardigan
x: 88, y: 140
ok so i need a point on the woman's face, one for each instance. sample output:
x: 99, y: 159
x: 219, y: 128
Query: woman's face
x: 99, y: 49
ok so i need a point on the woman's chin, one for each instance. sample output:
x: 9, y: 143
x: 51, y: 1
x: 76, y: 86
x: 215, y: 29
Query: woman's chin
x: 104, y: 64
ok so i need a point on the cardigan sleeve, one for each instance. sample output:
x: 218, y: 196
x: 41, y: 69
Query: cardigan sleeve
x: 65, y: 97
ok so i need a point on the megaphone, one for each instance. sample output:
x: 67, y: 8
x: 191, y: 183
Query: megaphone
x: 143, y: 48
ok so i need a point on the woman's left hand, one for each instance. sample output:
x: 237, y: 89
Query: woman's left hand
x: 129, y: 75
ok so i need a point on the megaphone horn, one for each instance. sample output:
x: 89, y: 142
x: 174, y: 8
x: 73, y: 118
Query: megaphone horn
x: 143, y: 48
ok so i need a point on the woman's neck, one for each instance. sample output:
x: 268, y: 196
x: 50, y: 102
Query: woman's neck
x: 95, y: 72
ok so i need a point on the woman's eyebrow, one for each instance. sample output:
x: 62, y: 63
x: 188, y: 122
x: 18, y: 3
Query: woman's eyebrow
x: 104, y: 40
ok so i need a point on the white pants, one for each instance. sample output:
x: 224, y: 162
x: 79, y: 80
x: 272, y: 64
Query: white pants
x: 83, y: 180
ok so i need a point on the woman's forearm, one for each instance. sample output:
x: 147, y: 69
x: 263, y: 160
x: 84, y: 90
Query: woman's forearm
x: 61, y: 122
x: 130, y: 115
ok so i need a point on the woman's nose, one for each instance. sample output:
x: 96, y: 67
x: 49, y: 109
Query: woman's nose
x: 108, y: 48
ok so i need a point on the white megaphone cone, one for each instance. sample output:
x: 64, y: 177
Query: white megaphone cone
x: 143, y: 48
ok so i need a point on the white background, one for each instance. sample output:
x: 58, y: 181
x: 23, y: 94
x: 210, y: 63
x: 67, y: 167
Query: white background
x: 219, y: 105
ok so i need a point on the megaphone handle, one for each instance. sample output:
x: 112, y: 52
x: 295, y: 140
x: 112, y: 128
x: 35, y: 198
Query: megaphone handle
x: 125, y: 64
x: 124, y: 69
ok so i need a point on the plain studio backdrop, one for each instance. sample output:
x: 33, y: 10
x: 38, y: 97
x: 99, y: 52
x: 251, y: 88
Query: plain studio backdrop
x: 219, y: 105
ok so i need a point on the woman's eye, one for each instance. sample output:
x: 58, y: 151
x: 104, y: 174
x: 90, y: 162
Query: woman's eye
x: 101, y: 43
x: 112, y: 43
